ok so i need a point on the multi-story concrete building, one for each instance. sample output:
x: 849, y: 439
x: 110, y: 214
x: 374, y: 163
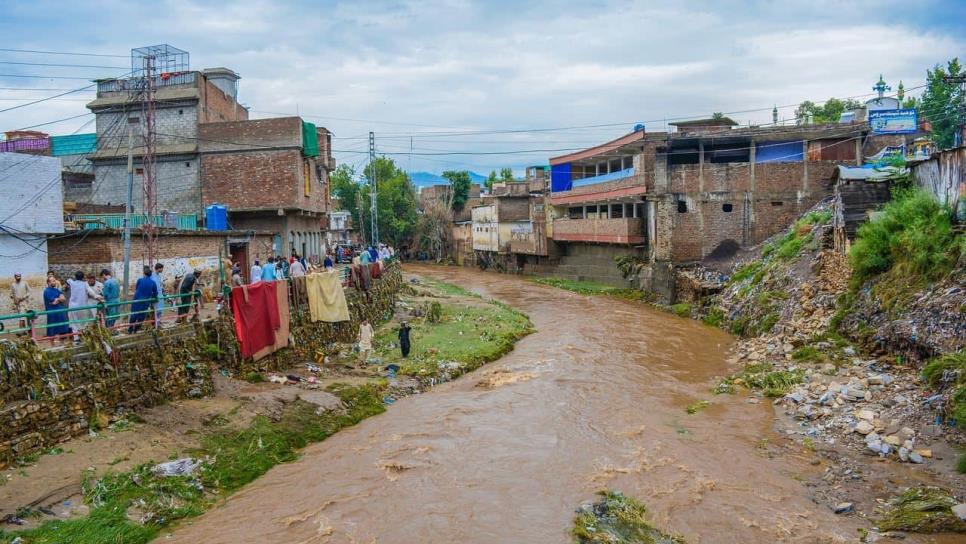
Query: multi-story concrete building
x: 273, y: 175
x: 509, y: 225
x: 31, y: 209
x: 700, y: 193
x: 183, y: 100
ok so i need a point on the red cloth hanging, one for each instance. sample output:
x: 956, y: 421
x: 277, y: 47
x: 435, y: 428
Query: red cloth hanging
x: 255, y: 308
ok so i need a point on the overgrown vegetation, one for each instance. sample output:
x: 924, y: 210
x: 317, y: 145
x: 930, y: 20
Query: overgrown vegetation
x: 949, y: 373
x: 587, y: 287
x: 922, y: 510
x: 763, y: 377
x: 618, y: 519
x: 911, y: 238
x: 681, y: 309
x: 696, y: 407
x: 134, y: 506
x: 470, y: 335
x: 630, y: 265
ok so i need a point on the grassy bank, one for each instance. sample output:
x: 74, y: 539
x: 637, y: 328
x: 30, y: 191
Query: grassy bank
x: 617, y: 519
x: 135, y: 506
x: 587, y: 287
x: 459, y: 332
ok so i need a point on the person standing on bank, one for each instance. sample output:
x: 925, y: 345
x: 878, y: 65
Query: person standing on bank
x: 112, y: 294
x: 365, y: 340
x: 158, y: 280
x: 255, y: 274
x: 54, y: 299
x: 187, y: 292
x: 404, y: 344
x: 145, y: 290
x: 20, y: 294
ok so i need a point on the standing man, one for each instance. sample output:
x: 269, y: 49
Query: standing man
x: 327, y: 262
x: 365, y: 340
x: 112, y: 294
x: 187, y: 292
x: 158, y: 279
x: 236, y: 279
x: 19, y: 293
x: 296, y: 269
x: 268, y: 271
x: 77, y: 288
x: 281, y: 263
x: 404, y: 344
x: 144, y: 290
x: 255, y: 274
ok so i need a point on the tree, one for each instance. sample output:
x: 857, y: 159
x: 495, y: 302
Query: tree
x: 459, y: 182
x: 943, y: 102
x: 717, y: 115
x: 346, y: 188
x: 490, y: 180
x: 829, y: 112
x: 434, y: 229
x: 506, y: 174
x: 395, y: 202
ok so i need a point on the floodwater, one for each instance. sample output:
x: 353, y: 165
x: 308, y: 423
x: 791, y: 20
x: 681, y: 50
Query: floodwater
x: 594, y: 399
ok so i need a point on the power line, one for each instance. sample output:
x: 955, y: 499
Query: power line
x: 47, y: 77
x: 61, y: 65
x: 54, y: 96
x: 58, y: 121
x: 62, y: 53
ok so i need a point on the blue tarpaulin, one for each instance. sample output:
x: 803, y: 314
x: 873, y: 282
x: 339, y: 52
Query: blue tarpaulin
x: 560, y: 177
x: 620, y: 174
x: 780, y: 151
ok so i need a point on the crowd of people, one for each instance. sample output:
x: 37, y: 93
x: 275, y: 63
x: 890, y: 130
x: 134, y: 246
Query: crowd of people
x: 276, y: 267
x: 70, y: 305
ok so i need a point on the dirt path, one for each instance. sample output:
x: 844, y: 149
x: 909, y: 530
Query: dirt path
x: 594, y: 399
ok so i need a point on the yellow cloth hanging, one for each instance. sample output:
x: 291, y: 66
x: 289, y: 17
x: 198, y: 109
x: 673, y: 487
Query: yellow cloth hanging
x: 326, y: 297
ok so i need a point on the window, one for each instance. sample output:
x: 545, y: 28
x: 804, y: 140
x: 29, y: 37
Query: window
x: 180, y: 112
x: 682, y: 206
x: 187, y: 165
x: 614, y: 165
x: 139, y: 171
x: 726, y: 208
x: 575, y: 212
x: 616, y: 211
x: 133, y: 119
x: 776, y: 203
x: 639, y: 208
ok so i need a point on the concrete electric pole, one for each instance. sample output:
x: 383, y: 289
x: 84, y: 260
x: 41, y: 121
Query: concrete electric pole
x: 374, y: 227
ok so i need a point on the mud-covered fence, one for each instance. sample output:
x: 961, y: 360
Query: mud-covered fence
x: 51, y: 395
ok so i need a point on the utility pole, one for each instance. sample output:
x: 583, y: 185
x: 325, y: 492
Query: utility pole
x: 127, y: 207
x: 362, y: 219
x: 374, y: 228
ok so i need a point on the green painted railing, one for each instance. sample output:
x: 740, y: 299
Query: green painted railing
x: 116, y: 220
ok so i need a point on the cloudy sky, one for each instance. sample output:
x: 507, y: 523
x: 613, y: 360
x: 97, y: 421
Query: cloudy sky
x: 436, y: 79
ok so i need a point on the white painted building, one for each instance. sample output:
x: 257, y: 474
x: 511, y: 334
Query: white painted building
x: 31, y: 207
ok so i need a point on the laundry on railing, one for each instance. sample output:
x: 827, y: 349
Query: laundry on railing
x: 281, y: 333
x: 255, y: 308
x: 326, y: 297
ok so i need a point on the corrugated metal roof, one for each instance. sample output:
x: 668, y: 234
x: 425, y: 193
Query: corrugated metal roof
x: 869, y: 174
x: 74, y: 144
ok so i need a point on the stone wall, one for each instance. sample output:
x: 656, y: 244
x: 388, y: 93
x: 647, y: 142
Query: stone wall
x: 50, y: 396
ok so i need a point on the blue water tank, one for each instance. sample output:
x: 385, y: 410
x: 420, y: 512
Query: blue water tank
x: 216, y: 217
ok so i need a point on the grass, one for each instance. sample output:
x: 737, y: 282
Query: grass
x: 763, y: 377
x: 749, y: 270
x: 912, y: 235
x: 696, y: 407
x: 467, y: 334
x: 961, y: 464
x: 714, y: 318
x: 587, y: 287
x: 618, y: 519
x: 922, y: 510
x: 681, y: 309
x: 235, y: 458
x: 950, y: 371
x: 254, y: 377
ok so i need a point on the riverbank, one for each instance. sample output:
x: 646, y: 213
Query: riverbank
x: 105, y: 487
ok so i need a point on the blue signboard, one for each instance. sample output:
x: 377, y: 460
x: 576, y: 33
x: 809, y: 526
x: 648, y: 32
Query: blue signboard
x: 902, y: 121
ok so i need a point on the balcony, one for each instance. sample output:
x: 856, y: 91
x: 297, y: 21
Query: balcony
x: 606, y: 231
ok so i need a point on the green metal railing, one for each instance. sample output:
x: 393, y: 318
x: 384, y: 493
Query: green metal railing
x: 28, y: 322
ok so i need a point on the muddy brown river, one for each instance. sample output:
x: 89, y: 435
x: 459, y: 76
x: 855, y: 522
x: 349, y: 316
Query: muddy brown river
x: 594, y: 399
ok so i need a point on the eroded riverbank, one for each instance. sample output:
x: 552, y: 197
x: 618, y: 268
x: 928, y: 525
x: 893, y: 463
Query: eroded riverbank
x: 602, y: 405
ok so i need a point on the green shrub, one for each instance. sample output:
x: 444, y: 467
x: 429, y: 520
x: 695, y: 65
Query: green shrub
x: 435, y: 312
x: 715, y: 317
x: 681, y: 309
x: 747, y: 271
x: 913, y: 232
x: 254, y: 377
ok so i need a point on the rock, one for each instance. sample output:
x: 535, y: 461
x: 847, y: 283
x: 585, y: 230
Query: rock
x: 796, y: 397
x: 892, y: 427
x: 863, y: 427
x: 960, y: 510
x: 925, y: 453
x: 903, y: 454
x: 893, y: 439
x: 843, y: 508
x: 909, y: 445
x: 875, y: 446
x: 849, y: 351
x: 867, y: 415
x: 915, y: 457
x: 906, y: 433
x: 872, y: 437
x: 868, y: 396
x: 932, y: 430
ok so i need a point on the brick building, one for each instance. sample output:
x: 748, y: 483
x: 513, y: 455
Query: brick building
x: 700, y: 193
x: 184, y: 100
x: 273, y: 175
x: 509, y: 225
x: 179, y: 251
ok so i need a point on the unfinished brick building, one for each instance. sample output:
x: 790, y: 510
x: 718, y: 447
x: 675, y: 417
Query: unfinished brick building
x: 697, y: 194
x: 273, y: 175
